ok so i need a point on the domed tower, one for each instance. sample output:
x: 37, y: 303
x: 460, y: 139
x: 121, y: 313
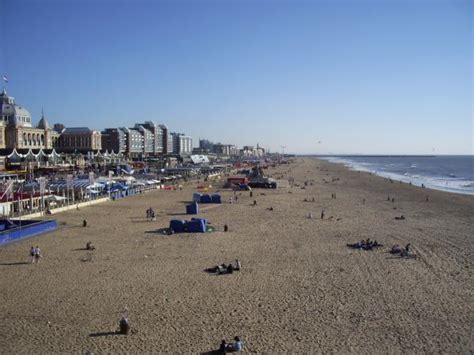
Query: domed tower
x: 46, y: 139
x: 13, y: 114
x: 43, y: 122
x: 14, y: 118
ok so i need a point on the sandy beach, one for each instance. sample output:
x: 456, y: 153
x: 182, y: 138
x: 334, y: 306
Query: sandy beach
x: 300, y: 290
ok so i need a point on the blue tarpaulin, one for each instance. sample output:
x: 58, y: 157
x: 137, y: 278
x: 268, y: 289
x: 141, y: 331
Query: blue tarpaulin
x: 16, y: 229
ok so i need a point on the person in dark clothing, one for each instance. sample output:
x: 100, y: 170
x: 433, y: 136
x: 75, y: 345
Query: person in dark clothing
x: 223, y: 347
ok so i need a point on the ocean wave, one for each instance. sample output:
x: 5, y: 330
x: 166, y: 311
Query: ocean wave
x: 446, y: 182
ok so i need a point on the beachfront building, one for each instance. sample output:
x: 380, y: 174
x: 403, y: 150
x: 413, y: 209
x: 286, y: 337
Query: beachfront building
x: 79, y: 140
x: 114, y: 140
x: 134, y: 148
x: 182, y: 144
x: 167, y: 140
x: 59, y: 127
x: 218, y: 148
x: 157, y: 132
x: 233, y: 150
x: 225, y: 149
x: 206, y: 144
x: 148, y: 140
x: 17, y: 131
x: 251, y: 151
x: 200, y: 151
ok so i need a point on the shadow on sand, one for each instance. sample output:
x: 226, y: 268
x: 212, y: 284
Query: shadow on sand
x: 212, y: 352
x: 161, y: 231
x: 401, y: 257
x: 104, y: 334
x: 16, y: 263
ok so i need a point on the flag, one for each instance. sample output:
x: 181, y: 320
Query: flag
x: 5, y: 78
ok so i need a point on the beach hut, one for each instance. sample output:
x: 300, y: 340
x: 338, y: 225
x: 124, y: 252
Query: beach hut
x: 205, y: 198
x: 192, y: 208
x: 196, y: 225
x: 177, y: 226
x: 216, y: 198
x: 200, y: 219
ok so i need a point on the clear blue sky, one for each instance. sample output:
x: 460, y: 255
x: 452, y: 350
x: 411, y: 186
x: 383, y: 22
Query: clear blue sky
x: 359, y: 76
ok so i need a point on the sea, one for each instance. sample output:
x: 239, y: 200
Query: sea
x: 453, y: 173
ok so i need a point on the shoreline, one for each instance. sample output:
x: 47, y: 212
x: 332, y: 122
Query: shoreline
x: 416, y: 181
x: 300, y: 290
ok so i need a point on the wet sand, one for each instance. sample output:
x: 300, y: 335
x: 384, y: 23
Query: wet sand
x: 301, y: 290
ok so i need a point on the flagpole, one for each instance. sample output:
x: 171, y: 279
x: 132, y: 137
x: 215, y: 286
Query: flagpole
x: 5, y: 80
x: 20, y: 198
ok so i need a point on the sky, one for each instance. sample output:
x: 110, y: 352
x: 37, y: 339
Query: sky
x: 315, y: 77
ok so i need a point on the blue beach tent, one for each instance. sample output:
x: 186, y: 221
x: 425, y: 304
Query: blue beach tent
x: 206, y: 199
x: 196, y: 225
x: 216, y: 198
x: 193, y: 208
x: 177, y: 226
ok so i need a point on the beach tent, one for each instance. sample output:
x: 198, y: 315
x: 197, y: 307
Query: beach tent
x: 216, y: 198
x: 177, y: 226
x: 200, y: 219
x: 192, y: 208
x: 197, y: 197
x: 196, y: 225
x: 205, y: 198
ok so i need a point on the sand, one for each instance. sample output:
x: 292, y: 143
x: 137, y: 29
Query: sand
x: 301, y: 290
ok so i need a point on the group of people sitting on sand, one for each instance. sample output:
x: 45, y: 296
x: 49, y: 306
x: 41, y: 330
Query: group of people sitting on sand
x: 365, y: 244
x: 403, y: 252
x: 234, y: 347
x: 396, y: 249
x: 225, y: 269
x: 150, y: 214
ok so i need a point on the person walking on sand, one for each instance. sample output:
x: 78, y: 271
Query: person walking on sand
x: 322, y: 214
x: 124, y: 323
x: 32, y: 254
x: 37, y: 254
